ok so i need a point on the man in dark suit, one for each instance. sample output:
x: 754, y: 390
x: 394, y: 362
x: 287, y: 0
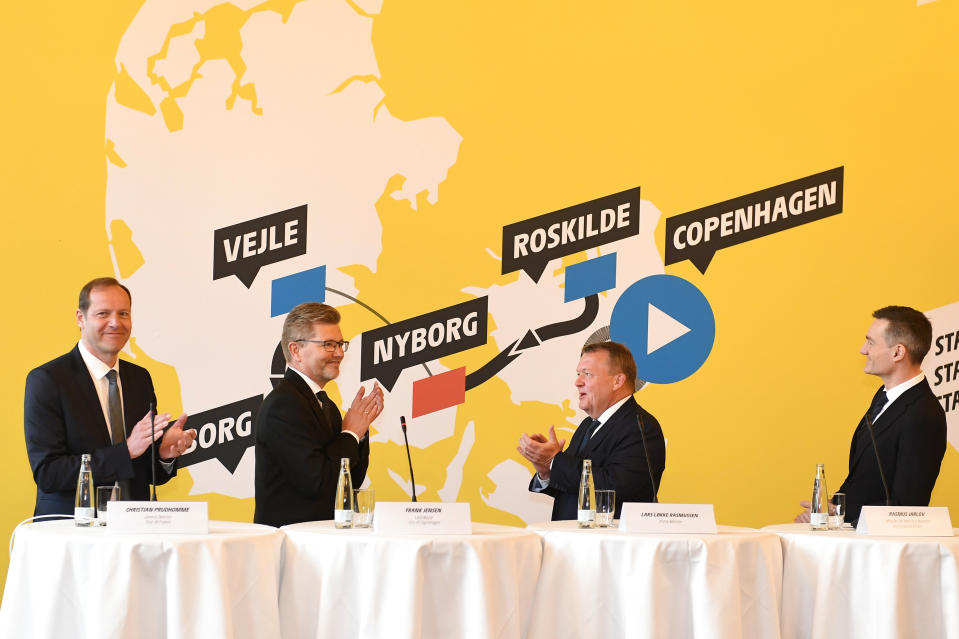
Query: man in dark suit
x: 90, y: 401
x: 610, y: 437
x: 298, y: 432
x: 909, y: 423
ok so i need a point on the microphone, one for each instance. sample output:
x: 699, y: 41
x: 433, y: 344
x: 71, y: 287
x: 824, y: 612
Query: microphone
x: 642, y: 434
x: 408, y: 459
x: 153, y: 451
x: 875, y: 449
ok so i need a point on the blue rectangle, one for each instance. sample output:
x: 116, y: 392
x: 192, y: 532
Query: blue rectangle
x: 305, y: 286
x: 590, y: 277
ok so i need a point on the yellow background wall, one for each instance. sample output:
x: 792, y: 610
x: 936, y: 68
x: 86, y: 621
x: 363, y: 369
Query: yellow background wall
x: 557, y: 103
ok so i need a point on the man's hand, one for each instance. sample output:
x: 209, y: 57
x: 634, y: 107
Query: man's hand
x: 540, y: 451
x: 140, y: 439
x: 364, y: 409
x: 803, y: 517
x: 175, y: 439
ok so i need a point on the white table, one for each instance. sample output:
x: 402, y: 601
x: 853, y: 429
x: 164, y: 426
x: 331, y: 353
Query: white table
x: 607, y: 583
x: 840, y: 584
x: 357, y: 583
x: 67, y: 581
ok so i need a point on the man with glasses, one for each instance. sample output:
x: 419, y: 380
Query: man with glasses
x: 299, y: 433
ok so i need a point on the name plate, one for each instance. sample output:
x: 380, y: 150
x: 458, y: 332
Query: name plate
x: 905, y: 521
x: 419, y: 518
x: 668, y: 518
x: 172, y: 517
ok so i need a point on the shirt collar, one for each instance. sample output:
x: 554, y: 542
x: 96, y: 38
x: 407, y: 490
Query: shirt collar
x: 95, y: 365
x: 314, y: 387
x: 896, y: 391
x: 611, y: 410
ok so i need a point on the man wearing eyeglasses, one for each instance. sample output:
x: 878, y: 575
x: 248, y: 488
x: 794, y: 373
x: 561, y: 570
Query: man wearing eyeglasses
x: 299, y: 433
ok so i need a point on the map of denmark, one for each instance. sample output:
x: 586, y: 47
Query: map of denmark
x: 263, y: 126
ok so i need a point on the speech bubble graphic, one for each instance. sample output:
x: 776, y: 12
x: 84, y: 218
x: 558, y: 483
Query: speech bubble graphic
x: 223, y: 433
x: 390, y: 349
x: 697, y: 235
x: 243, y: 249
x: 529, y: 245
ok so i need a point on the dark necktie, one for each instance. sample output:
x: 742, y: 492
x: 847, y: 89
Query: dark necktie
x: 115, y: 410
x: 329, y: 410
x: 117, y: 429
x: 877, y: 403
x: 592, y: 426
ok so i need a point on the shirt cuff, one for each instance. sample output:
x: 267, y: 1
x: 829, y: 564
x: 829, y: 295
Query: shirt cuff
x: 167, y: 465
x: 539, y: 485
x: 354, y: 435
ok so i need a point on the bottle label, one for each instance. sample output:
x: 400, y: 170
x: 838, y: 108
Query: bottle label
x: 585, y: 515
x: 83, y: 514
x: 818, y: 519
x: 342, y: 516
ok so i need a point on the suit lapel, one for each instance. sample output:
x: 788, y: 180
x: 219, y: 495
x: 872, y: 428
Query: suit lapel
x: 889, y: 417
x: 608, y: 426
x: 97, y: 423
x: 301, y: 387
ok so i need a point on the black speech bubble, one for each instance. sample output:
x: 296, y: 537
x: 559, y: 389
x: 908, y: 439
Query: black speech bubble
x: 243, y: 249
x: 701, y: 254
x: 218, y: 424
x: 387, y: 372
x: 558, y: 225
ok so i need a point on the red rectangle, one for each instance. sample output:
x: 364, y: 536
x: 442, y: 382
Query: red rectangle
x: 439, y: 391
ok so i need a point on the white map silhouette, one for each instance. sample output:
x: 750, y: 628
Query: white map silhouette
x: 326, y: 139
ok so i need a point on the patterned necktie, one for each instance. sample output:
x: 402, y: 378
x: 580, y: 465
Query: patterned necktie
x: 115, y: 410
x: 592, y: 426
x: 877, y: 403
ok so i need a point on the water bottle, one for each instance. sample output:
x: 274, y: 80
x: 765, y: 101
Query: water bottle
x: 343, y: 508
x: 819, y: 509
x: 586, y: 514
x: 84, y: 509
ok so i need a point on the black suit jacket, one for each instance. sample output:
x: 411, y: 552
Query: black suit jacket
x: 911, y: 437
x: 298, y: 452
x: 618, y: 460
x: 62, y: 419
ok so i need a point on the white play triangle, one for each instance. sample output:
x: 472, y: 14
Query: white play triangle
x: 662, y: 330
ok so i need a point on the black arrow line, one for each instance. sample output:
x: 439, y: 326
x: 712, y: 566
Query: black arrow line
x: 491, y: 367
x: 575, y: 325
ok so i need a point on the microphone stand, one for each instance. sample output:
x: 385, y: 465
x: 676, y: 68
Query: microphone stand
x: 642, y: 434
x: 153, y: 451
x: 875, y: 449
x: 408, y: 459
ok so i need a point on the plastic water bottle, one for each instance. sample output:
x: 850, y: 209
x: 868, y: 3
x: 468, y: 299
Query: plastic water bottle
x: 84, y: 510
x: 586, y: 514
x: 343, y: 509
x: 819, y: 509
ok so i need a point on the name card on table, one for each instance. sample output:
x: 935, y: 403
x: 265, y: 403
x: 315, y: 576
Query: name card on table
x: 419, y: 518
x: 668, y: 518
x: 173, y: 517
x: 905, y: 521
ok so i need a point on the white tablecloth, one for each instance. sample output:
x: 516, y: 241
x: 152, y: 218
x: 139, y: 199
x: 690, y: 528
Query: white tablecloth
x: 355, y: 583
x: 606, y: 583
x: 840, y: 584
x: 66, y: 581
